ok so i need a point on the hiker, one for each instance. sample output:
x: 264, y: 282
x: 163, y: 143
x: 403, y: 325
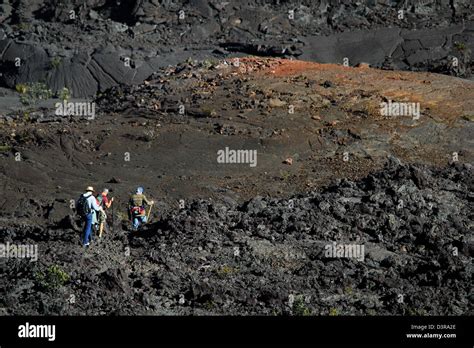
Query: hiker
x: 105, y: 203
x: 137, y: 208
x: 87, y: 207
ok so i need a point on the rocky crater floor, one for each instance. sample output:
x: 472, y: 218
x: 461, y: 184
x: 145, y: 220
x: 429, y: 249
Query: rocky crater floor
x: 332, y: 171
x: 267, y: 256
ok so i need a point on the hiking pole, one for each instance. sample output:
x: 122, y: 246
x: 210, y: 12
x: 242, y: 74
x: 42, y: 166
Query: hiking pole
x: 113, y: 216
x: 149, y: 211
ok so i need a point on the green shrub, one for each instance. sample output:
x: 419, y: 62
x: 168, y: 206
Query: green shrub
x: 209, y: 63
x: 300, y: 308
x: 348, y: 290
x: 226, y: 271
x: 21, y: 88
x: 64, y: 94
x: 5, y: 148
x: 51, y: 279
x: 460, y: 46
x: 23, y: 26
x: 285, y: 175
x: 56, y: 62
x: 31, y: 93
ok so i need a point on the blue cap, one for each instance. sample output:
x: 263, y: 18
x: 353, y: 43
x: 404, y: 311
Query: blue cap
x: 140, y: 189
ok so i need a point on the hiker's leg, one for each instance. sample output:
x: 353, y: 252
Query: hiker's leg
x: 90, y: 227
x: 101, y: 219
x: 87, y: 229
x: 84, y: 231
x: 136, y: 223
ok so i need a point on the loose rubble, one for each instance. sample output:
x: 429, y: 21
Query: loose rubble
x: 267, y: 256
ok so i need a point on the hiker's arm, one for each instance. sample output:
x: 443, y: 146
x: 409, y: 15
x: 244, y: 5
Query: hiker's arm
x: 109, y: 203
x: 94, y: 204
x: 147, y: 201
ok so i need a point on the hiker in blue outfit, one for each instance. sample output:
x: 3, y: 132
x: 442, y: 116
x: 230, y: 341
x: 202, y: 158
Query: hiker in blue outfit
x: 87, y: 207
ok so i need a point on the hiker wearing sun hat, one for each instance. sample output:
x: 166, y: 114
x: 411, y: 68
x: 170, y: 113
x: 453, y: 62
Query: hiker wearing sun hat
x: 87, y: 207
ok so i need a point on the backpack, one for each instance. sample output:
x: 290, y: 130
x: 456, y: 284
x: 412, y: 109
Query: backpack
x: 100, y: 200
x: 137, y: 211
x: 82, y: 207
